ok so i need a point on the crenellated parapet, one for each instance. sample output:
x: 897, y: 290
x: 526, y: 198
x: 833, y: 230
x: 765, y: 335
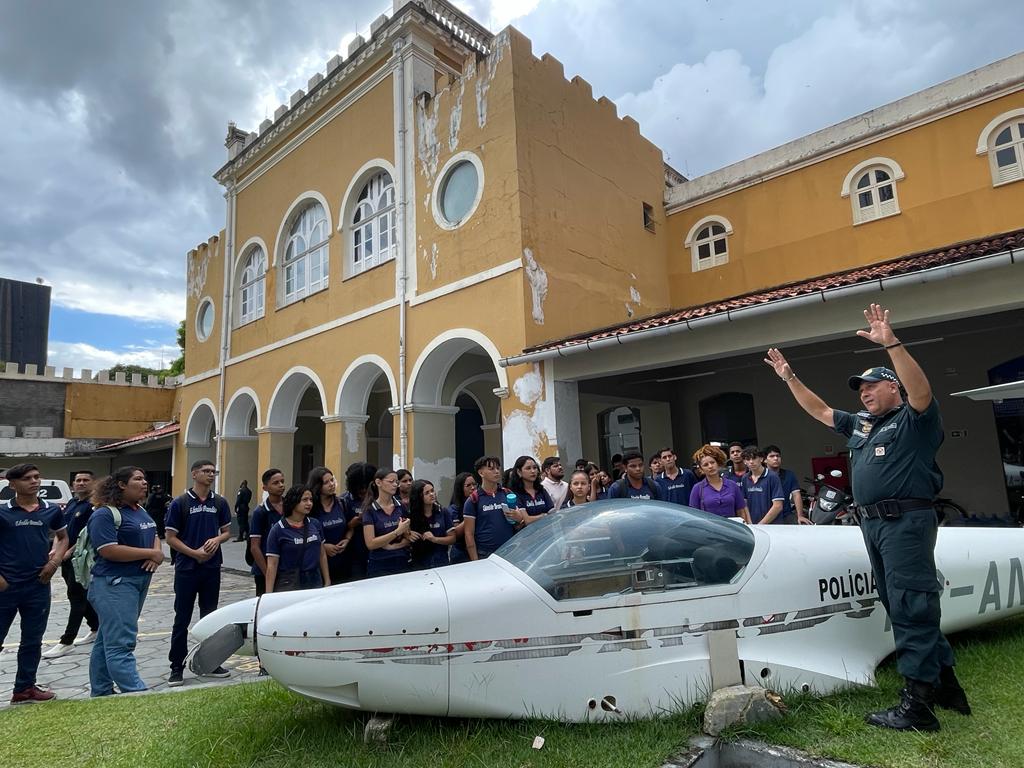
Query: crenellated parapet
x: 86, y: 376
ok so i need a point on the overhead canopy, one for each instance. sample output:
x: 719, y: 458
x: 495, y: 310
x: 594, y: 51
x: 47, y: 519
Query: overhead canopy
x: 1006, y: 391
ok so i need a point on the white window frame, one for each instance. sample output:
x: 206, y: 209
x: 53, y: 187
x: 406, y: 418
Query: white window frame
x: 251, y: 283
x: 206, y: 301
x: 697, y: 238
x: 350, y: 203
x: 1014, y: 122
x: 295, y: 249
x: 442, y: 179
x: 377, y: 225
x: 878, y: 209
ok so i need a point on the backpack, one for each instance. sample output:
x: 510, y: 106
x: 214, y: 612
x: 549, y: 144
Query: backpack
x: 84, y: 557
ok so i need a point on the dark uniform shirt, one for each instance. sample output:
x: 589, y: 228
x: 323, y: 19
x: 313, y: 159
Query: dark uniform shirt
x: 195, y: 521
x: 893, y: 456
x: 25, y: 539
x: 76, y: 515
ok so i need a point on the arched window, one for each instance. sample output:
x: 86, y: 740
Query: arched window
x: 252, y: 286
x: 708, y: 242
x: 871, y: 187
x: 305, y: 256
x: 373, y: 224
x: 1003, y: 142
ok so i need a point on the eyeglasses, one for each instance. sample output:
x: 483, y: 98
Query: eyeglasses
x: 210, y: 471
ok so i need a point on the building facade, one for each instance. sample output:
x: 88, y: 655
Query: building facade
x: 443, y: 247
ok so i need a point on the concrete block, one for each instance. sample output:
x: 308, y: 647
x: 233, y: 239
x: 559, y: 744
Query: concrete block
x: 377, y: 23
x: 119, y: 377
x: 314, y: 81
x: 136, y: 379
x: 11, y: 369
x: 738, y: 705
x: 356, y: 44
x: 296, y: 97
x: 67, y: 373
x: 31, y: 369
x: 333, y: 63
x: 377, y: 730
x: 49, y: 371
x: 280, y: 112
x: 251, y: 137
x: 265, y: 125
x: 86, y: 374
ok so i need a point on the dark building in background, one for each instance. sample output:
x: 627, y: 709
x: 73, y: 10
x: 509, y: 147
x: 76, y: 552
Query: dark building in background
x: 24, y: 322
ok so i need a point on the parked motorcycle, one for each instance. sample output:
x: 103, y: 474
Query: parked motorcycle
x: 831, y: 505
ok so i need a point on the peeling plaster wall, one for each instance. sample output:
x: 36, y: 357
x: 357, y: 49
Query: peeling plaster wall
x: 585, y: 175
x: 205, y: 277
x: 528, y: 415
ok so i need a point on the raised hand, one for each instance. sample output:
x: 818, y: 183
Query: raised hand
x: 879, y: 330
x: 778, y: 361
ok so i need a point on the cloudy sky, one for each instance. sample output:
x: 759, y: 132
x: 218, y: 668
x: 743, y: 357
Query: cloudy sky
x: 114, y: 112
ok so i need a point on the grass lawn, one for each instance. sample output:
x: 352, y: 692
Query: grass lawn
x: 264, y: 725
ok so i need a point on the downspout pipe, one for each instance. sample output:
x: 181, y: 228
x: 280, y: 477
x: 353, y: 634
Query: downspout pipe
x: 225, y: 318
x: 930, y: 275
x: 402, y: 266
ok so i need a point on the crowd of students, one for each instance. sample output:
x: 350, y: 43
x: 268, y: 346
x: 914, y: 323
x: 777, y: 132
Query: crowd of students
x: 311, y: 535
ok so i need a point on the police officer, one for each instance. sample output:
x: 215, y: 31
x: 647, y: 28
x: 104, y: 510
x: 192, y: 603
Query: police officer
x: 892, y: 444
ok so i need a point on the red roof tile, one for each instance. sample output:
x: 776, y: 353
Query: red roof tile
x: 916, y: 262
x: 143, y: 437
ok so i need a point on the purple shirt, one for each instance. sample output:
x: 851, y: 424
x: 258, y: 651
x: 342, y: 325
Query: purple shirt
x: 725, y: 503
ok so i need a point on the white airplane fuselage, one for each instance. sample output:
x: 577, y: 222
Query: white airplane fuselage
x: 482, y: 639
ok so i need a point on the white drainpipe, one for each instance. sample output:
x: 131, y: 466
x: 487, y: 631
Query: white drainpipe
x: 403, y: 255
x: 930, y: 275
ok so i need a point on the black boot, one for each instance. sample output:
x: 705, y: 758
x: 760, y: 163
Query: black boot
x: 949, y: 694
x: 914, y: 712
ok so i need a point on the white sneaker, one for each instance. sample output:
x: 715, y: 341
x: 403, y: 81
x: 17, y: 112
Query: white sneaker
x: 90, y: 638
x: 57, y: 651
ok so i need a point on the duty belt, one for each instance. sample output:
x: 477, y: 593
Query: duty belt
x: 891, y: 509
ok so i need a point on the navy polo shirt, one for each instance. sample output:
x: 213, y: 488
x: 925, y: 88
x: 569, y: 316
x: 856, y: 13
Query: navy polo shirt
x: 76, y: 515
x: 677, y: 490
x: 539, y: 504
x: 25, y: 539
x: 787, y: 478
x: 892, y: 456
x: 761, y: 494
x: 196, y: 521
x: 649, y: 489
x: 333, y: 521
x: 427, y: 554
x: 137, y: 530
x: 263, y: 518
x: 356, y: 551
x: 492, y: 529
x: 384, y: 523
x: 296, y: 548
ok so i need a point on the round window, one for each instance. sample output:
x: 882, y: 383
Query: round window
x: 204, y: 320
x: 459, y: 192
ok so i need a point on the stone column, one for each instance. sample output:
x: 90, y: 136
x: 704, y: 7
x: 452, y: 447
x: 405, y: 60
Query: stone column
x: 277, y: 449
x: 432, y: 440
x: 567, y: 421
x: 492, y: 439
x: 332, y: 444
x: 240, y: 461
x: 353, y: 439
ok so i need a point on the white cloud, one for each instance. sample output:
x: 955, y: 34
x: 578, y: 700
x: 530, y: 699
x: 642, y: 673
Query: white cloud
x: 79, y: 355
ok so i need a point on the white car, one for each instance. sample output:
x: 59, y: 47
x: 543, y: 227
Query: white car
x: 612, y: 609
x: 53, y: 491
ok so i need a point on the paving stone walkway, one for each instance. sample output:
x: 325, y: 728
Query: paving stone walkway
x: 68, y: 676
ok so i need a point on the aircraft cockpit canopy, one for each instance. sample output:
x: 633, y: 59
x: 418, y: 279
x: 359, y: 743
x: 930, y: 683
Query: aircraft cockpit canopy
x: 616, y: 547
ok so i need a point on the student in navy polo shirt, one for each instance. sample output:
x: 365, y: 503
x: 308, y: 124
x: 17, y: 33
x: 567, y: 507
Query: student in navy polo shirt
x: 465, y: 484
x: 524, y: 481
x: 261, y: 521
x: 126, y: 558
x: 328, y: 509
x: 793, y: 504
x: 675, y: 483
x: 27, y: 563
x: 485, y: 526
x: 579, y: 490
x: 633, y: 484
x: 386, y: 528
x: 197, y: 523
x: 358, y: 479
x: 76, y: 515
x: 434, y: 524
x: 761, y: 488
x: 296, y: 558
x: 738, y: 467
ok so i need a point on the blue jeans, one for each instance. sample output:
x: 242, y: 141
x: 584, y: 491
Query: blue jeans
x: 118, y: 602
x: 32, y: 600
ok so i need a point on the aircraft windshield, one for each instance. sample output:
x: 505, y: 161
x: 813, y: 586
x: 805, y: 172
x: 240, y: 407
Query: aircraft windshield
x: 617, y: 547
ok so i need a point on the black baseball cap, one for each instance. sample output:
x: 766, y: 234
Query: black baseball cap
x: 881, y: 373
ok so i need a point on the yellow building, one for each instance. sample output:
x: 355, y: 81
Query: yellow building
x: 443, y: 247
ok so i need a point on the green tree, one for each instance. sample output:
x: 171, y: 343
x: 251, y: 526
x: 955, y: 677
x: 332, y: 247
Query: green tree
x: 177, y: 366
